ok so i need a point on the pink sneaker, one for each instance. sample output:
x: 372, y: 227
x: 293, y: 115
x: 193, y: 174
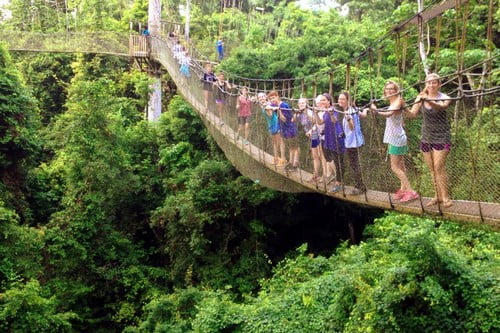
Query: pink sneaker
x: 398, y: 195
x: 409, y: 196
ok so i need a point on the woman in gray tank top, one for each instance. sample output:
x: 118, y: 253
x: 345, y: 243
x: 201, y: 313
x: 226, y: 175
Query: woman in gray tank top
x: 435, y: 143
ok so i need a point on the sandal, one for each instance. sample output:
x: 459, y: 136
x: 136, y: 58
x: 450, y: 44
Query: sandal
x: 329, y: 179
x: 336, y: 188
x: 409, y: 196
x: 433, y: 202
x: 313, y: 180
x: 398, y: 195
x: 447, y: 203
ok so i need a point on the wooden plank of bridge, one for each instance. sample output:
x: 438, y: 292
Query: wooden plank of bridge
x: 429, y: 13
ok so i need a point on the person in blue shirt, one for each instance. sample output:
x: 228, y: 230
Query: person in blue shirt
x: 271, y: 115
x: 353, y: 139
x: 146, y: 34
x: 220, y: 48
x: 288, y: 129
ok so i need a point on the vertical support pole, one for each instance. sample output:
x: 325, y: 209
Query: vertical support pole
x: 421, y: 46
x: 348, y: 77
x: 330, y: 83
x: 313, y: 83
x: 379, y: 63
x: 154, y: 104
x: 154, y: 12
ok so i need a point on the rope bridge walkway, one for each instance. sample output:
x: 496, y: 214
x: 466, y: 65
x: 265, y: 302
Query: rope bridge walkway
x: 255, y: 158
x: 104, y: 42
x: 473, y: 165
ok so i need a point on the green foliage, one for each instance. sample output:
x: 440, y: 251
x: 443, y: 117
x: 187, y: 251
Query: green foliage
x: 48, y: 76
x: 87, y: 15
x: 204, y: 220
x: 18, y: 116
x: 25, y: 308
x: 411, y: 274
x: 170, y: 313
x: 20, y: 249
x: 137, y: 13
x: 181, y: 124
x: 376, y: 10
x: 122, y: 210
x: 99, y: 166
x: 481, y: 156
x: 304, y: 44
x: 19, y: 140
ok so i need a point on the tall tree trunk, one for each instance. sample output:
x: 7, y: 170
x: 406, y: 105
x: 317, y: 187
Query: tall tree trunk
x: 421, y: 46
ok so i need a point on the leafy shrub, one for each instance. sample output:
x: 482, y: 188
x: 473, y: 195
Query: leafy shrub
x: 410, y: 275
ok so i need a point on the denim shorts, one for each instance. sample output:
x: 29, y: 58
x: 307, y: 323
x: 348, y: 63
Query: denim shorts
x: 315, y: 143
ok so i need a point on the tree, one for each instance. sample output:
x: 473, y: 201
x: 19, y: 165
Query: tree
x: 19, y: 141
x: 410, y: 274
x: 376, y: 10
x: 39, y: 313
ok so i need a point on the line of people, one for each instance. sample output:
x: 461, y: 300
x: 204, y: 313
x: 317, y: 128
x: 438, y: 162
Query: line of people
x: 334, y: 131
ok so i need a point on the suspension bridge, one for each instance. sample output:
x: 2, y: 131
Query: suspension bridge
x: 473, y: 163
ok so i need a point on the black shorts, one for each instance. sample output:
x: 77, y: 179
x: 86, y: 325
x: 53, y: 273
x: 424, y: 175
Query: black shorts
x: 243, y: 120
x: 207, y: 86
x: 329, y: 154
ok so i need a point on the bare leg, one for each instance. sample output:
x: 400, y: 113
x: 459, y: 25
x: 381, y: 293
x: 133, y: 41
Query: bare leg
x: 430, y: 165
x: 315, y: 152
x: 331, y: 168
x: 441, y: 178
x: 275, y: 141
x: 282, y: 146
x: 296, y: 159
x: 323, y: 162
x: 294, y: 156
x: 219, y: 110
x: 205, y: 94
x: 398, y: 167
x: 239, y: 131
x: 353, y: 155
x: 435, y: 160
x: 247, y: 130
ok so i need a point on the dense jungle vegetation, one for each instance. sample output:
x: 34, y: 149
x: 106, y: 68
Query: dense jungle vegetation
x: 109, y: 223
